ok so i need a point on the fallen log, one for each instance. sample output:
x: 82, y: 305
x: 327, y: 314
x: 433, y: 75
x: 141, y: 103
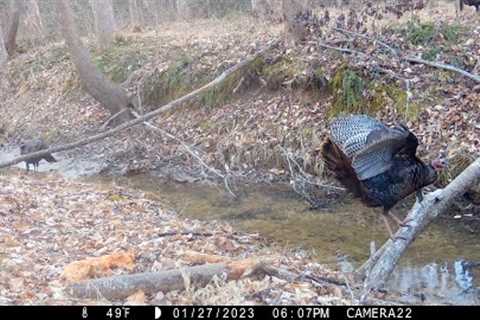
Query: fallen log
x: 122, y: 286
x: 150, y: 115
x: 380, y: 265
x: 119, y: 287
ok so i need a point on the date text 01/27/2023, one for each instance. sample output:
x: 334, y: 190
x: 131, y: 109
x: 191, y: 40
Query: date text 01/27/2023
x: 296, y: 312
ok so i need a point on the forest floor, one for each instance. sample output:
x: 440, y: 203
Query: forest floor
x: 54, y: 232
x: 245, y: 132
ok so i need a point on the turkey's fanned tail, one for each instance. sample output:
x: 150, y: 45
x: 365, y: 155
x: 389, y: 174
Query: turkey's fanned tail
x: 370, y: 145
x: 339, y: 164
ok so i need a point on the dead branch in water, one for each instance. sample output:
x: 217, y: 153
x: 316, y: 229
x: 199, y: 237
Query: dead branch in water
x: 150, y: 115
x: 190, y: 151
x: 301, y: 181
x: 379, y: 266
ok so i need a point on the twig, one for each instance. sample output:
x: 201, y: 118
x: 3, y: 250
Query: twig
x: 190, y: 151
x: 200, y: 160
x: 116, y: 115
x: 185, y: 233
x: 356, y: 34
x: 448, y: 67
x: 344, y: 50
x: 303, y: 174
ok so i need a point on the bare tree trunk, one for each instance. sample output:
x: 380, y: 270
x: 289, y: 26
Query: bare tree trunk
x: 290, y: 9
x: 105, y: 25
x: 110, y: 95
x: 155, y: 7
x: 165, y: 10
x: 379, y: 267
x: 3, y: 50
x: 33, y: 20
x: 253, y: 5
x: 182, y: 7
x: 135, y: 19
x: 174, y: 7
x: 12, y: 28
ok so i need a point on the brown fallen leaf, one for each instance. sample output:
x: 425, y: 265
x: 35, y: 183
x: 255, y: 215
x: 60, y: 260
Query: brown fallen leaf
x: 92, y: 267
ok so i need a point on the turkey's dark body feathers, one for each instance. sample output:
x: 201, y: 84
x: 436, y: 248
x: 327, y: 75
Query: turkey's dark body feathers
x: 404, y: 178
x: 374, y: 162
x: 473, y: 3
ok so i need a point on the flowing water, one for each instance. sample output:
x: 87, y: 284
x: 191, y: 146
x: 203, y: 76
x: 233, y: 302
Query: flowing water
x: 434, y: 270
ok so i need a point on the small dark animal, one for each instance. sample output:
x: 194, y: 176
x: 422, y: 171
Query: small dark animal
x: 473, y: 3
x: 34, y: 146
x: 376, y: 163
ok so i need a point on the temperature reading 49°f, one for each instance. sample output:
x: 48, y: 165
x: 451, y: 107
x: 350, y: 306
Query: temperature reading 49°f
x: 118, y: 313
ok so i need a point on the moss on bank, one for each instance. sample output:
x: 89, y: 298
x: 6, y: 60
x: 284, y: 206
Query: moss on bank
x: 354, y: 94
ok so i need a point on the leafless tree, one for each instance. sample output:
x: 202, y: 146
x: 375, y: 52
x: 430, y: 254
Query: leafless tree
x: 33, y: 20
x: 267, y: 9
x: 135, y: 13
x: 105, y: 25
x: 12, y: 27
x: 109, y: 94
x: 291, y: 9
x: 3, y: 50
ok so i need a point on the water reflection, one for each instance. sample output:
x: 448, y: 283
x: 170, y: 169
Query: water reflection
x: 435, y: 283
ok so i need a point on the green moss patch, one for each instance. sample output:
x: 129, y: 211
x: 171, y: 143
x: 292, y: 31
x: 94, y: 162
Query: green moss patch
x: 354, y: 94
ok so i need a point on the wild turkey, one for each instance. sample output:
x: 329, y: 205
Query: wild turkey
x: 473, y: 3
x: 34, y: 146
x: 376, y: 163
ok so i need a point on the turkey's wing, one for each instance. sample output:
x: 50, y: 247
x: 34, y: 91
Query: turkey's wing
x: 376, y: 157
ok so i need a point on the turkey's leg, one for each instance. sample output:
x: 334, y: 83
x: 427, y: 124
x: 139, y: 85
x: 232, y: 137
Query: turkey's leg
x: 397, y: 220
x: 419, y: 195
x: 387, y: 224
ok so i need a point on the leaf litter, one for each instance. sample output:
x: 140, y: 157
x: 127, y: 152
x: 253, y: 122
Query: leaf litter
x: 55, y: 231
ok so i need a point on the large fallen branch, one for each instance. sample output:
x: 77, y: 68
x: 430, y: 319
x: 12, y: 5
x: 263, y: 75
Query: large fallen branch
x: 119, y: 287
x: 448, y: 67
x: 168, y: 107
x: 379, y: 267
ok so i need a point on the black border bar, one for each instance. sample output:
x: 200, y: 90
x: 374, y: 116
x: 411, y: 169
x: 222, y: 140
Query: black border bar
x: 237, y: 312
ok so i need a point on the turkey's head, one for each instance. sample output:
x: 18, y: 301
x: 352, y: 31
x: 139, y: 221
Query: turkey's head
x: 433, y: 170
x: 439, y: 164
